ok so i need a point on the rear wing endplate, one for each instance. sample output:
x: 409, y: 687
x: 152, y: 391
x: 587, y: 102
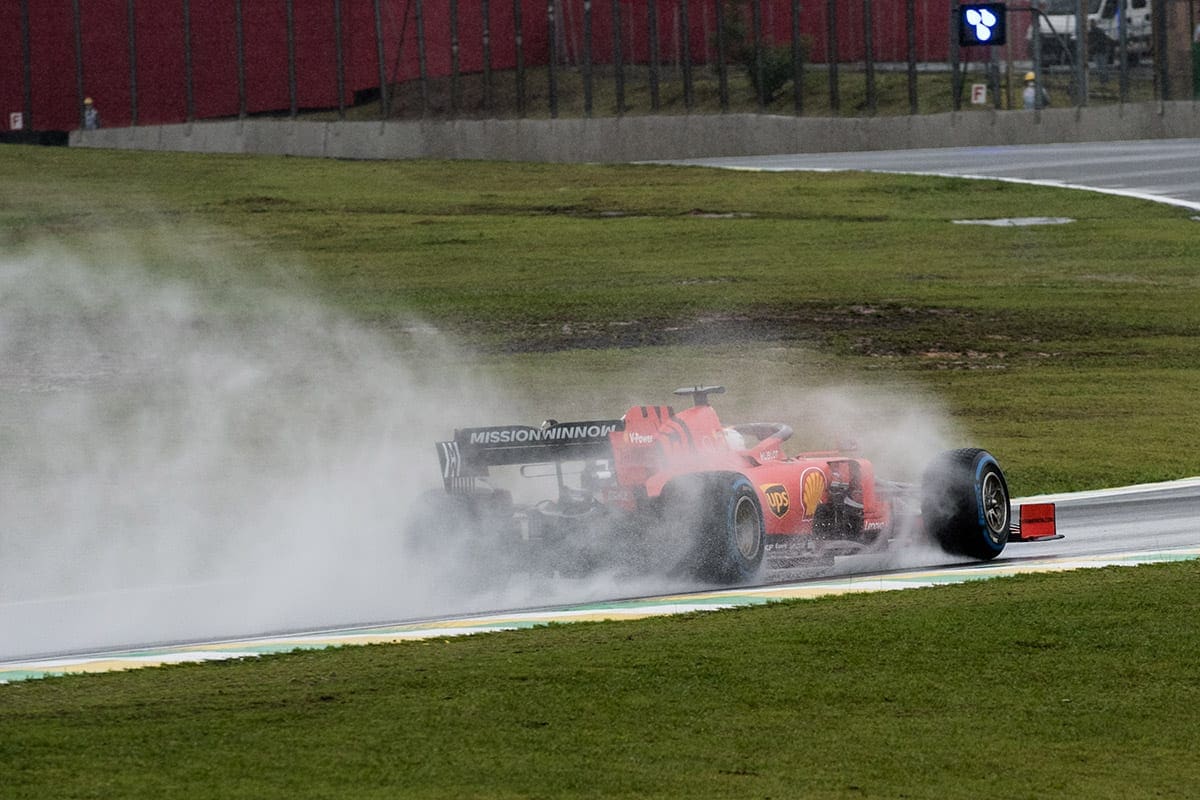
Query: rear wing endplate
x: 473, y: 450
x: 1036, y: 522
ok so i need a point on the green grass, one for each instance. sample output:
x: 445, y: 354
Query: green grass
x: 1072, y: 685
x: 1070, y: 350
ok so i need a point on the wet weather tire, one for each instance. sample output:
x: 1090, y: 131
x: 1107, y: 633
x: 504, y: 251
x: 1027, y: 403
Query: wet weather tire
x: 726, y: 522
x: 965, y: 503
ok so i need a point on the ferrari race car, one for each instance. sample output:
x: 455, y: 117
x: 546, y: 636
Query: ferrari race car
x: 680, y: 491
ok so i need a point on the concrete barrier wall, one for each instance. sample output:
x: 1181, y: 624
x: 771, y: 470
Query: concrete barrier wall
x: 625, y: 139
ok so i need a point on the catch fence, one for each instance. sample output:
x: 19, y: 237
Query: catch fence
x: 163, y: 61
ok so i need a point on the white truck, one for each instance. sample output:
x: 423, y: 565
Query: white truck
x: 1057, y: 30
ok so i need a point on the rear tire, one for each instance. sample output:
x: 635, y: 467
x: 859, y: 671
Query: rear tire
x: 725, y: 519
x: 965, y: 503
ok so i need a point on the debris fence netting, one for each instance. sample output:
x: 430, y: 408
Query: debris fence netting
x: 146, y: 63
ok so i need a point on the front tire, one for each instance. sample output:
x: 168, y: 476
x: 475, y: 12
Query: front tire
x: 965, y: 503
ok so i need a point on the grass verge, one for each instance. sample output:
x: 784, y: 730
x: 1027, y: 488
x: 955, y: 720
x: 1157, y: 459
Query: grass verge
x: 1070, y: 685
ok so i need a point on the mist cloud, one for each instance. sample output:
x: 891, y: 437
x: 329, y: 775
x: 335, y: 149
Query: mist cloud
x: 192, y: 450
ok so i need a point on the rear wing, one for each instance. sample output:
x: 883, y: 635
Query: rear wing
x: 472, y: 450
x: 1036, y: 522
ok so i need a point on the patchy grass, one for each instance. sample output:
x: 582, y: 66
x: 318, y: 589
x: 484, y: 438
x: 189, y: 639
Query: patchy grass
x: 1071, y: 349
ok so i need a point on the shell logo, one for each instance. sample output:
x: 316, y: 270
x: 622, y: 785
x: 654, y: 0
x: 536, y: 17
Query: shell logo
x: 812, y: 487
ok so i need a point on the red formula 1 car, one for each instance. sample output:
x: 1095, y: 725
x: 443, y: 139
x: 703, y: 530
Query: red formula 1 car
x: 673, y: 490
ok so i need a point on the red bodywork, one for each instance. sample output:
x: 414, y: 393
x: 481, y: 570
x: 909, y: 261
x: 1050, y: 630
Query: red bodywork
x: 658, y: 446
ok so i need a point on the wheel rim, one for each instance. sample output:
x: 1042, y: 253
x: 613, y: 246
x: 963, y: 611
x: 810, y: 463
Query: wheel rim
x: 747, y: 529
x: 995, y: 506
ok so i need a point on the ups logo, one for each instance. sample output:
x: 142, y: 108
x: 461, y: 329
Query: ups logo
x: 777, y: 498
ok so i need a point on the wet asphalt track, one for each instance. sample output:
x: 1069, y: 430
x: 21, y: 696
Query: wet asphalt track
x: 1139, y: 524
x: 1165, y: 170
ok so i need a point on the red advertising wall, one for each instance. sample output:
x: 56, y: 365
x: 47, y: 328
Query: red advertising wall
x: 100, y: 64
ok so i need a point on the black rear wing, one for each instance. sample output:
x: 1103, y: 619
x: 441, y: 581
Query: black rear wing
x: 472, y: 450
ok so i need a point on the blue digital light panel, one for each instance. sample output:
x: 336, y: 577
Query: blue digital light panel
x: 982, y: 24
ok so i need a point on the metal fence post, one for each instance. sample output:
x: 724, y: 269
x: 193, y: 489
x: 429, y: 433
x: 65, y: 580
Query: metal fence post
x: 1038, y: 85
x: 485, y: 12
x: 910, y: 25
x: 293, y: 106
x: 994, y: 75
x: 759, y: 69
x: 689, y: 99
x: 1008, y: 75
x: 520, y: 48
x: 385, y: 110
x: 722, y: 67
x: 27, y: 69
x: 79, y: 90
x: 339, y: 58
x: 455, y: 87
x: 869, y: 57
x: 1123, y: 55
x: 188, y: 75
x: 1162, y: 76
x: 835, y: 96
x: 652, y: 34
x: 240, y: 32
x: 797, y: 61
x: 1081, y: 53
x: 587, y: 58
x: 422, y: 63
x: 131, y: 23
x: 618, y: 63
x: 955, y: 71
x: 552, y: 45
